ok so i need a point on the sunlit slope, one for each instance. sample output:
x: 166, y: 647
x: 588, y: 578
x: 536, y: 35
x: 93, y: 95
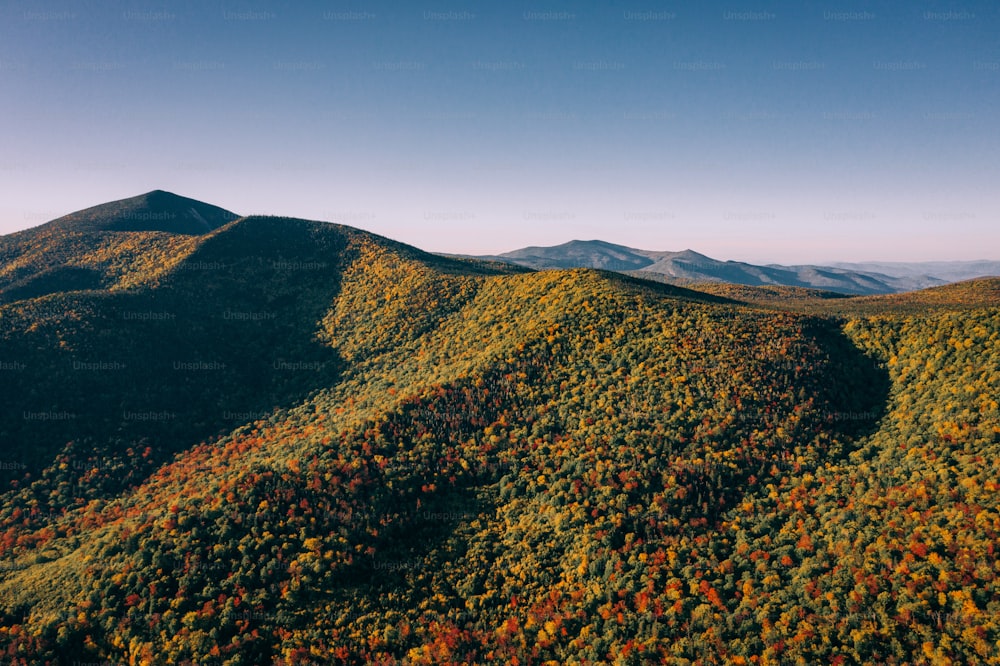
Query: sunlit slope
x: 231, y: 332
x: 978, y: 293
x: 52, y: 262
x: 118, y: 245
x: 960, y: 296
x: 502, y: 458
x: 439, y: 462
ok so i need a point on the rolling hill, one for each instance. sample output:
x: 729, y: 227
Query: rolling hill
x: 293, y: 442
x: 114, y: 245
x: 689, y: 267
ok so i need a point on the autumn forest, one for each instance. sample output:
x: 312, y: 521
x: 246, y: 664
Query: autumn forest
x: 291, y: 442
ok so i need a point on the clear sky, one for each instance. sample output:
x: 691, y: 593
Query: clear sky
x: 760, y: 131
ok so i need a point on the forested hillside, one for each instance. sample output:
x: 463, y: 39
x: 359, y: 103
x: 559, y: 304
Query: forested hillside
x: 356, y: 452
x: 118, y: 245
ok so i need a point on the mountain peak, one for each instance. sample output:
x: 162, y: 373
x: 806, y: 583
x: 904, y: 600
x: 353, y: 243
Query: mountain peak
x: 157, y: 210
x: 690, y: 254
x: 580, y: 254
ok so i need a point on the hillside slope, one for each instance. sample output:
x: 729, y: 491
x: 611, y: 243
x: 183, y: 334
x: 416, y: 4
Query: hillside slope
x: 436, y: 461
x: 117, y: 245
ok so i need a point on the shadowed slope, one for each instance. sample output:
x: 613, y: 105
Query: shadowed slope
x: 153, y: 211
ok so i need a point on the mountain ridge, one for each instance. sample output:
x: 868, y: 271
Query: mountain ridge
x: 689, y: 266
x: 952, y: 271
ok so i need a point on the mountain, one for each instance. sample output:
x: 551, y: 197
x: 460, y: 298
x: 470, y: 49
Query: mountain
x: 292, y: 442
x: 153, y: 211
x: 578, y: 254
x: 114, y: 245
x: 689, y: 267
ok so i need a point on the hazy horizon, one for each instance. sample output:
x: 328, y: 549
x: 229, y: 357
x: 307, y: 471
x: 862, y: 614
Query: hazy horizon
x: 360, y: 221
x: 789, y: 133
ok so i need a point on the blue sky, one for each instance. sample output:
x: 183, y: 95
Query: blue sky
x: 767, y: 132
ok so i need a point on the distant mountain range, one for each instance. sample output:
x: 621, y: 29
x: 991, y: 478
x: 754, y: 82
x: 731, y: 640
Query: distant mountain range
x: 688, y: 266
x: 950, y: 271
